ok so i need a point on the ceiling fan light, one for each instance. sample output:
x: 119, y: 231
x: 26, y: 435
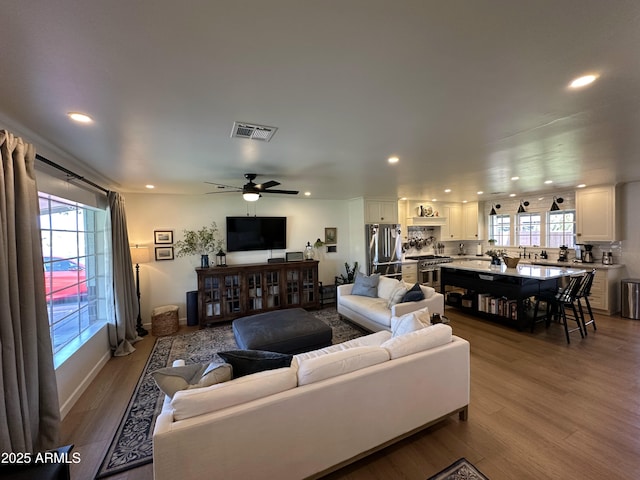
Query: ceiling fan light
x: 251, y: 196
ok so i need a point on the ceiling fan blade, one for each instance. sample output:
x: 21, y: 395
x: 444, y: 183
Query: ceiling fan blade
x: 223, y: 191
x: 269, y: 184
x: 222, y: 185
x: 287, y: 192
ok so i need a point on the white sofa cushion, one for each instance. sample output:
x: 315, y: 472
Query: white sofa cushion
x: 417, y: 341
x: 191, y: 403
x: 372, y: 340
x: 315, y: 369
x: 375, y: 308
x: 386, y: 286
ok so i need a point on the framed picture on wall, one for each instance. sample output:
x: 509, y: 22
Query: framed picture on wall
x: 163, y: 237
x: 164, y: 253
x: 330, y: 235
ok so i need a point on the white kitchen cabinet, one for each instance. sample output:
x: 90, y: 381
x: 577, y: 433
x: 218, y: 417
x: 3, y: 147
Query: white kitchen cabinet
x: 472, y: 223
x: 410, y: 272
x: 381, y: 211
x: 453, y: 228
x: 596, y: 214
x: 605, y: 290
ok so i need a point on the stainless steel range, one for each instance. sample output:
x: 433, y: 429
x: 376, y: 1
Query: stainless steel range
x: 429, y: 269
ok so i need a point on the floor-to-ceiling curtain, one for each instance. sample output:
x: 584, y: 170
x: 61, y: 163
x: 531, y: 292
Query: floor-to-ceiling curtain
x: 125, y: 301
x: 29, y: 410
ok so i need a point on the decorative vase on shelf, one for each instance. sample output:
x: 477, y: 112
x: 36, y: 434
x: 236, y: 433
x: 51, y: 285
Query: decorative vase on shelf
x: 204, y: 261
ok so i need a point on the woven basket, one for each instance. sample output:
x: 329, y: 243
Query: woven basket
x: 164, y: 320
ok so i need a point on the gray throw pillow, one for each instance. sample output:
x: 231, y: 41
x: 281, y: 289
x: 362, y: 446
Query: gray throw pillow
x: 172, y: 379
x: 246, y: 362
x: 366, y: 286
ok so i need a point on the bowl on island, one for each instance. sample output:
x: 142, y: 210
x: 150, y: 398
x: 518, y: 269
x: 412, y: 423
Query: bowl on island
x: 511, y: 262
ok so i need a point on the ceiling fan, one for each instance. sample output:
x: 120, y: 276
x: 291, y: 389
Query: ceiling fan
x: 252, y: 191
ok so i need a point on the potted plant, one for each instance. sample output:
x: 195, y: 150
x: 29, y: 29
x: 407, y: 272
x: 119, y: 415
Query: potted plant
x: 492, y: 241
x: 200, y: 242
x: 351, y: 274
x: 495, y: 256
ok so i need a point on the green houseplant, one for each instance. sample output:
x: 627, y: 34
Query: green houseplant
x: 200, y: 242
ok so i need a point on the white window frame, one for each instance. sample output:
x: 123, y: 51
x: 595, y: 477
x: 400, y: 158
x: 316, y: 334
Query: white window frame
x: 529, y: 229
x: 567, y: 234
x: 497, y: 231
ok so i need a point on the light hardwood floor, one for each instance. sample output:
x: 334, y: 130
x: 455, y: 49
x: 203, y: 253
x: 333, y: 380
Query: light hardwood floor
x: 540, y: 409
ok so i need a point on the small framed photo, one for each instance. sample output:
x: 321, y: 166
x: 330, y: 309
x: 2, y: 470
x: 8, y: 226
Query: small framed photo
x: 164, y: 253
x: 163, y: 237
x: 330, y: 235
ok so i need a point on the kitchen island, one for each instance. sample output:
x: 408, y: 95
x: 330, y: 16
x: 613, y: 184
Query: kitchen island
x: 498, y: 292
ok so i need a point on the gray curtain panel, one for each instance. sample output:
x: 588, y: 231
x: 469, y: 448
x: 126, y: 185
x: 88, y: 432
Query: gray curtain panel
x: 125, y: 300
x: 29, y: 410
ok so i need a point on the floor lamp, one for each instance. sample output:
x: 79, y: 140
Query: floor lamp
x: 139, y: 255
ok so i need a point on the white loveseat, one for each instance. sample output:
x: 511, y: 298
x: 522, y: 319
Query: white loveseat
x: 329, y: 408
x: 374, y: 314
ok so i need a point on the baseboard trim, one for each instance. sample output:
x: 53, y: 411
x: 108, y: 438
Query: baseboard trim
x: 65, y: 408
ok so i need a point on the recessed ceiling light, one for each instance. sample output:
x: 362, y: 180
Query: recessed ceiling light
x: 307, y: 194
x: 150, y: 186
x: 582, y: 185
x: 80, y: 117
x: 515, y: 178
x: 394, y: 159
x: 480, y: 192
x: 403, y: 198
x: 464, y: 201
x: 512, y: 194
x: 583, y: 81
x: 434, y: 199
x: 548, y: 182
x: 540, y: 198
x: 447, y: 190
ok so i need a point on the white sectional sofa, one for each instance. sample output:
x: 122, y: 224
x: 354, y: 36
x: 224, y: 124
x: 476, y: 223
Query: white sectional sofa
x: 375, y: 314
x: 330, y: 407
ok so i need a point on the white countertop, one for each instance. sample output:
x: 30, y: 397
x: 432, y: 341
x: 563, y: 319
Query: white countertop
x: 546, y: 262
x: 537, y: 272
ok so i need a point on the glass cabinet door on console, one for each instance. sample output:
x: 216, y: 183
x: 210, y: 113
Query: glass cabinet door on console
x: 293, y: 287
x: 232, y: 294
x: 255, y: 291
x: 272, y: 284
x: 211, y: 293
x: 309, y: 285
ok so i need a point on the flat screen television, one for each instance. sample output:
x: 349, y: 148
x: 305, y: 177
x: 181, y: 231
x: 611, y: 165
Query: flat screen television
x: 256, y: 233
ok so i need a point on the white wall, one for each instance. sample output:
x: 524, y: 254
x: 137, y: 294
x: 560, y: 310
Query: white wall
x: 630, y: 216
x: 166, y: 282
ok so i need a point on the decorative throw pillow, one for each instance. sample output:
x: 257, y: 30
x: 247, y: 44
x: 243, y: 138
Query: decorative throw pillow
x: 423, y: 316
x: 407, y: 323
x: 398, y: 294
x: 366, y: 286
x: 186, y: 377
x: 415, y: 294
x: 246, y: 362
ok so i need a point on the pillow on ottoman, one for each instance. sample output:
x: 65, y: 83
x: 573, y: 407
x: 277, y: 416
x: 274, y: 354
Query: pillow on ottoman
x: 366, y: 286
x: 246, y: 362
x: 172, y: 379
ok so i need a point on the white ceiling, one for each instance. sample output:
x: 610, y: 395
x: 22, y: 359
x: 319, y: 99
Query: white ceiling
x: 466, y: 93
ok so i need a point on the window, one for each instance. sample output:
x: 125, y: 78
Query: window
x: 561, y: 228
x: 500, y: 229
x: 74, y: 268
x: 528, y: 233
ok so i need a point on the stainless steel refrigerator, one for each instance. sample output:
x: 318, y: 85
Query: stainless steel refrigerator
x: 384, y: 250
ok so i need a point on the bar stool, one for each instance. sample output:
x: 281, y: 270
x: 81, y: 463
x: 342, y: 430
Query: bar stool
x: 563, y: 306
x: 583, y: 296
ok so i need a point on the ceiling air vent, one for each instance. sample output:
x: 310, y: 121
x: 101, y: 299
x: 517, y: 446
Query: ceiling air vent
x: 252, y: 131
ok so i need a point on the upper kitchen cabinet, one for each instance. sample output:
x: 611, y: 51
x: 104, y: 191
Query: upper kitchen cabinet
x: 380, y: 211
x: 472, y: 221
x: 453, y: 228
x: 597, y: 214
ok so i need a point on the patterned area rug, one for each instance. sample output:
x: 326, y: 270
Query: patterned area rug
x: 132, y: 443
x: 461, y: 469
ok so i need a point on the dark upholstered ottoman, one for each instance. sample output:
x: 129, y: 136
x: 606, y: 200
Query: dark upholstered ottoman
x: 285, y: 331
